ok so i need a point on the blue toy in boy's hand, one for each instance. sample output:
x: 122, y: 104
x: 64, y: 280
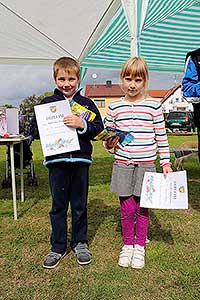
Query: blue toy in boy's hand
x: 124, y: 136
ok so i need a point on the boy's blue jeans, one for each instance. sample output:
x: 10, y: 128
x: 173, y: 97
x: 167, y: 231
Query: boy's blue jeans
x: 68, y: 184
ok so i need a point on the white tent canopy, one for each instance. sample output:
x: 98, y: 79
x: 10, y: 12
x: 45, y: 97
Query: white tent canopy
x: 100, y: 33
x: 40, y: 31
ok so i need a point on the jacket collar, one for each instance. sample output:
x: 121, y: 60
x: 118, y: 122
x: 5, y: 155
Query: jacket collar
x: 59, y: 93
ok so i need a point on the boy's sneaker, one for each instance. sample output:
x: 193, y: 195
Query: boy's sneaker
x: 125, y: 256
x: 52, y: 260
x: 138, y: 259
x: 83, y: 254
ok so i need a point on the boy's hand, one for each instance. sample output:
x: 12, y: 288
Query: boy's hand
x: 111, y: 142
x: 73, y: 121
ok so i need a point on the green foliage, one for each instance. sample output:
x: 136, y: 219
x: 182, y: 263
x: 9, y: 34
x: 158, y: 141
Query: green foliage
x: 27, y: 105
x: 27, y: 110
x: 8, y: 106
x: 47, y: 94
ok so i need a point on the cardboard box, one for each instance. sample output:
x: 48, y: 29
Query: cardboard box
x: 9, y: 121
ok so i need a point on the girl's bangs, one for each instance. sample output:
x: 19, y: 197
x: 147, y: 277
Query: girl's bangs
x: 135, y: 70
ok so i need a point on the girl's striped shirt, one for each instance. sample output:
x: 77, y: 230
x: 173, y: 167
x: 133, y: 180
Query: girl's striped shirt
x: 144, y: 120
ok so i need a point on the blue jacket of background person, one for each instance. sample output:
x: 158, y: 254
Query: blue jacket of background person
x: 191, y: 83
x: 91, y: 129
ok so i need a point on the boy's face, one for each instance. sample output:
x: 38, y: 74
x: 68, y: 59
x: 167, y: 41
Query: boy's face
x: 67, y: 82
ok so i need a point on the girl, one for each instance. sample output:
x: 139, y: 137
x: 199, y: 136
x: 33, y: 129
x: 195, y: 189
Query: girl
x: 141, y: 116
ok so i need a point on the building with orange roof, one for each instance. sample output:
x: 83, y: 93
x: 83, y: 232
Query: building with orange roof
x: 103, y: 94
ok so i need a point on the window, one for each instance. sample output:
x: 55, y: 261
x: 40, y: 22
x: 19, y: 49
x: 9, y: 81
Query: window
x: 99, y: 102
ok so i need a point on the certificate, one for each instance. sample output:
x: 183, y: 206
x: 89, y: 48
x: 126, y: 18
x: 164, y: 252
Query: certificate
x: 55, y: 136
x: 168, y: 192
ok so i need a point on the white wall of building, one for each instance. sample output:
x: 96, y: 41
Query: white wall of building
x: 176, y: 102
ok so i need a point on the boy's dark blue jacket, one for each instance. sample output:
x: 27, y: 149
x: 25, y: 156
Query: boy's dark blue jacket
x: 85, y: 136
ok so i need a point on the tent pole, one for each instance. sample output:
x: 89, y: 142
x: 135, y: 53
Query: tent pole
x: 134, y: 38
x: 130, y: 9
x: 135, y: 11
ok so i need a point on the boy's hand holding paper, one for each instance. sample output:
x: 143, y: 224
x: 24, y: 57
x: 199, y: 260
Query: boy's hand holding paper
x: 73, y: 121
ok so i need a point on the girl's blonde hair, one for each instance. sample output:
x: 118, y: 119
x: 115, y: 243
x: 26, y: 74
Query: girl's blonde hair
x: 135, y: 66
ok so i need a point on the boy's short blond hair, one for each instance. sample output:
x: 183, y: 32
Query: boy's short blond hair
x: 135, y: 66
x: 68, y: 64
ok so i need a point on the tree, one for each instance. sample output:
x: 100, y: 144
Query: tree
x: 26, y: 109
x: 27, y: 105
x: 8, y: 106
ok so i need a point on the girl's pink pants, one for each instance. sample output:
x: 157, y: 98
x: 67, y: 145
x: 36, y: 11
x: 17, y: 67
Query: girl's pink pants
x: 132, y: 215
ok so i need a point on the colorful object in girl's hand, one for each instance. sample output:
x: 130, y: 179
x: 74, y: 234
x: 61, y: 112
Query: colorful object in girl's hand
x: 124, y: 136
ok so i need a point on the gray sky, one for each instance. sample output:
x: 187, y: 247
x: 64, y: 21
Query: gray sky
x: 21, y: 81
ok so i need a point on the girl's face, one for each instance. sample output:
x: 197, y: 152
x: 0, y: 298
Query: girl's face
x: 67, y: 82
x: 133, y: 87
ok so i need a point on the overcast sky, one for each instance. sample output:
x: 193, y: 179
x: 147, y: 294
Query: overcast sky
x: 21, y: 81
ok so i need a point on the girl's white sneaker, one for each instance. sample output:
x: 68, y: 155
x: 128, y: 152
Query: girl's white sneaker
x: 138, y: 260
x: 125, y: 256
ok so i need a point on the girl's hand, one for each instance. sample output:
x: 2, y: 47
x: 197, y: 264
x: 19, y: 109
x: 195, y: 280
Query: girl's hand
x: 111, y: 142
x: 167, y: 169
x: 73, y: 121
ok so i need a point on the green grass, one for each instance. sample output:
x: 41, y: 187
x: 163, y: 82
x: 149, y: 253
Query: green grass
x: 172, y: 269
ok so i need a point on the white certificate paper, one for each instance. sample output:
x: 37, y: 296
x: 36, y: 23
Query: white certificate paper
x: 55, y: 136
x: 165, y: 193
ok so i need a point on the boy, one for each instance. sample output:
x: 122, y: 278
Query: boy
x: 68, y: 172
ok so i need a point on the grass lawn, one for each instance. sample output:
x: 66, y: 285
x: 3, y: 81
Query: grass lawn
x: 172, y: 269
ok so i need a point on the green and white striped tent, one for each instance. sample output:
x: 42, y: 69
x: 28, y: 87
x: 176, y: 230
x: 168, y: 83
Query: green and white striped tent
x: 162, y: 31
x: 101, y: 33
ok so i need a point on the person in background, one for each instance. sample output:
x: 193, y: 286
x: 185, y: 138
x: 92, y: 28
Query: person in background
x: 69, y: 172
x: 141, y: 116
x: 191, y: 86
